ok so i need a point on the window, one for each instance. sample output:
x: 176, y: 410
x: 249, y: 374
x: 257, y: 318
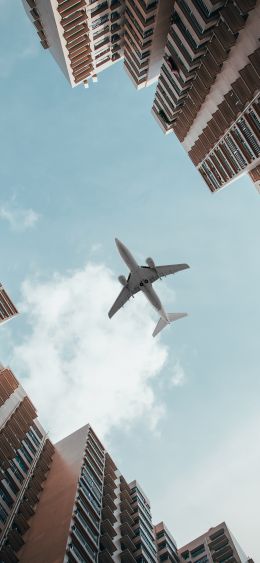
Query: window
x: 6, y: 497
x: 11, y: 483
x: 3, y: 514
x: 162, y: 545
x: 200, y: 549
x: 160, y: 534
x: 16, y: 472
x: 21, y: 463
x: 33, y: 437
x: 26, y: 454
x: 185, y: 555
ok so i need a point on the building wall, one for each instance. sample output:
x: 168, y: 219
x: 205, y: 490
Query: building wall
x: 25, y: 457
x: 215, y: 545
x: 47, y: 536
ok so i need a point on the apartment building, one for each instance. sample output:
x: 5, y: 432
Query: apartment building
x: 208, y: 91
x: 7, y: 308
x: 25, y: 457
x: 87, y: 511
x: 217, y: 545
x: 68, y: 502
x: 165, y: 544
x: 84, y: 37
x: 205, y: 53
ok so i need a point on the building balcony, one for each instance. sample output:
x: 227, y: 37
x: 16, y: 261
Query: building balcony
x: 86, y: 528
x: 107, y: 543
x: 88, y: 499
x: 127, y: 544
x: 108, y: 501
x: 127, y: 556
x: 102, y: 8
x: 109, y: 471
x: 88, y: 513
x: 94, y: 463
x: 96, y: 443
x: 127, y: 530
x: 124, y: 487
x: 78, y: 556
x: 108, y: 514
x: 126, y: 518
x: 125, y: 505
x: 105, y: 557
x: 109, y: 490
x: 224, y: 553
x: 70, y: 4
x: 109, y: 463
x: 106, y: 527
x: 233, y: 18
x: 82, y: 544
x: 141, y: 553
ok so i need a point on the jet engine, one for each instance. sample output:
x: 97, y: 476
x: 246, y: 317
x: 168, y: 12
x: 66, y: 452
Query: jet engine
x: 150, y: 263
x: 122, y: 280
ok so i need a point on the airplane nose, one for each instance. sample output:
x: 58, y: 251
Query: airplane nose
x: 118, y: 243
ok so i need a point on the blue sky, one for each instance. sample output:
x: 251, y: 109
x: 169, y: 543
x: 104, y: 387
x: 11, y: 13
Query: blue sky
x: 79, y: 167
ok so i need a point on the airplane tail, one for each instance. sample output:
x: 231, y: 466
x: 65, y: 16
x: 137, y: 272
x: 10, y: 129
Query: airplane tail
x: 162, y: 323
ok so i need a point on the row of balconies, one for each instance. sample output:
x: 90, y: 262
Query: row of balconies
x: 13, y: 540
x: 74, y: 22
x: 224, y: 37
x: 229, y: 110
x: 202, y: 69
x: 37, y: 23
x: 8, y: 383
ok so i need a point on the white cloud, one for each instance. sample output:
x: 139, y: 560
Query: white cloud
x: 178, y: 376
x: 79, y: 365
x: 18, y: 219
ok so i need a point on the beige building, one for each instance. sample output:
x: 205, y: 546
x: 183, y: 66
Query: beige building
x: 217, y: 545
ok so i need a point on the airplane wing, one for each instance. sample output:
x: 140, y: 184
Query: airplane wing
x: 123, y: 296
x: 171, y: 269
x: 153, y: 274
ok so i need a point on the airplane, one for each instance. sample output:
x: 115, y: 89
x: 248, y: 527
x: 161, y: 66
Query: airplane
x: 141, y: 278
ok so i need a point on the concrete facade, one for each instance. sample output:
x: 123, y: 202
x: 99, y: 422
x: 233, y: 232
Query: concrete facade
x: 215, y: 546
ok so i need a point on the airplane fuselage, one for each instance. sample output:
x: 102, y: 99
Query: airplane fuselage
x: 138, y: 273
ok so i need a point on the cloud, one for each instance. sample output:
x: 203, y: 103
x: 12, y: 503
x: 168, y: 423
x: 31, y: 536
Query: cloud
x: 18, y: 219
x: 178, y: 376
x: 81, y: 367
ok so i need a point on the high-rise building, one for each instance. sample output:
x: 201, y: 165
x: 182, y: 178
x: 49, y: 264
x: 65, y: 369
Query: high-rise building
x: 208, y: 92
x: 25, y: 456
x: 87, y: 511
x: 205, y: 52
x: 84, y: 37
x: 215, y: 546
x: 69, y: 503
x: 7, y: 308
x: 165, y: 544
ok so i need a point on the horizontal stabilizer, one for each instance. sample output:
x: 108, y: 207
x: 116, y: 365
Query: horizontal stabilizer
x: 162, y: 323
